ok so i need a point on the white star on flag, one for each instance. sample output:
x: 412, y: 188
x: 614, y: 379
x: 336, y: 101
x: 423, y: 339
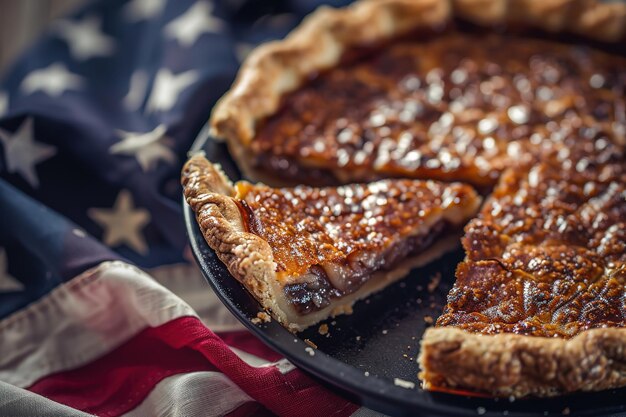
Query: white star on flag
x: 7, y: 282
x: 122, y: 223
x: 84, y: 38
x: 188, y: 27
x: 4, y: 103
x: 22, y: 152
x: 149, y: 148
x: 137, y: 10
x: 53, y: 80
x: 167, y: 87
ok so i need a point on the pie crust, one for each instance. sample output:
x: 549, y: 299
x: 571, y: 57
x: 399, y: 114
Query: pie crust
x: 501, y: 364
x: 508, y: 364
x: 270, y: 255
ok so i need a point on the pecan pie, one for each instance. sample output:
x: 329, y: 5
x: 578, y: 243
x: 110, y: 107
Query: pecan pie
x: 307, y: 253
x: 526, y: 96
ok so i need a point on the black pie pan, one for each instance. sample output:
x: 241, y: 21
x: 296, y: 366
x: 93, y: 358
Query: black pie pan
x: 364, y: 352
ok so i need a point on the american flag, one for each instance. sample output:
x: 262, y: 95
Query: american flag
x: 102, y: 311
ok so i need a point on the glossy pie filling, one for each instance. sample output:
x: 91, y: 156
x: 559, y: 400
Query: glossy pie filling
x: 327, y: 242
x: 547, y: 254
x: 455, y: 106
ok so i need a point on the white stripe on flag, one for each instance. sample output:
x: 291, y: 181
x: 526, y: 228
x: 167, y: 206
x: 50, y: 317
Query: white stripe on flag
x: 192, y: 395
x: 83, y: 319
x: 17, y: 402
x: 186, y: 281
x: 283, y: 365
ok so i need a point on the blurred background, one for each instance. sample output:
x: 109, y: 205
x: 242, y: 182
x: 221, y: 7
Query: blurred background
x: 22, y: 20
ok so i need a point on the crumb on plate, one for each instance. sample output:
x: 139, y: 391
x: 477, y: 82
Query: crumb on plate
x: 261, y: 317
x: 403, y: 383
x: 434, y: 282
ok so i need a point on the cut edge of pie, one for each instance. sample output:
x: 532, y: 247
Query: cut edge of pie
x: 250, y: 258
x: 276, y: 68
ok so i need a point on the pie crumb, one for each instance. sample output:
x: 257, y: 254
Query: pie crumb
x: 323, y: 329
x: 310, y: 351
x: 428, y: 319
x: 403, y: 383
x: 434, y: 282
x: 261, y: 317
x: 308, y: 342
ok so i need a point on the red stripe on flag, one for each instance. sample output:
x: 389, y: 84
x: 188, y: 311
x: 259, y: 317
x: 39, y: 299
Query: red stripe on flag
x: 120, y: 380
x: 271, y: 388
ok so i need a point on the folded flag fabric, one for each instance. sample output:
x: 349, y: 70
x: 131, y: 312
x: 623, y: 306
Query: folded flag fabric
x: 102, y: 311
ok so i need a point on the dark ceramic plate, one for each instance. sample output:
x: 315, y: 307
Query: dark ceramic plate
x: 365, y: 351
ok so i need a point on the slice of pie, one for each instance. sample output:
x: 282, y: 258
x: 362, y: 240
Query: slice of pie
x: 338, y: 102
x: 307, y: 253
x: 546, y: 257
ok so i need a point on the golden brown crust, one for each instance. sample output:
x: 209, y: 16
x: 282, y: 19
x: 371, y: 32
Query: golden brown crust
x: 590, y: 18
x: 513, y: 365
x: 276, y: 68
x: 248, y: 257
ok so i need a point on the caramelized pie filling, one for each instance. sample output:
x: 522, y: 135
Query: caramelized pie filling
x: 327, y: 242
x: 547, y: 254
x: 456, y: 106
x: 317, y: 288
